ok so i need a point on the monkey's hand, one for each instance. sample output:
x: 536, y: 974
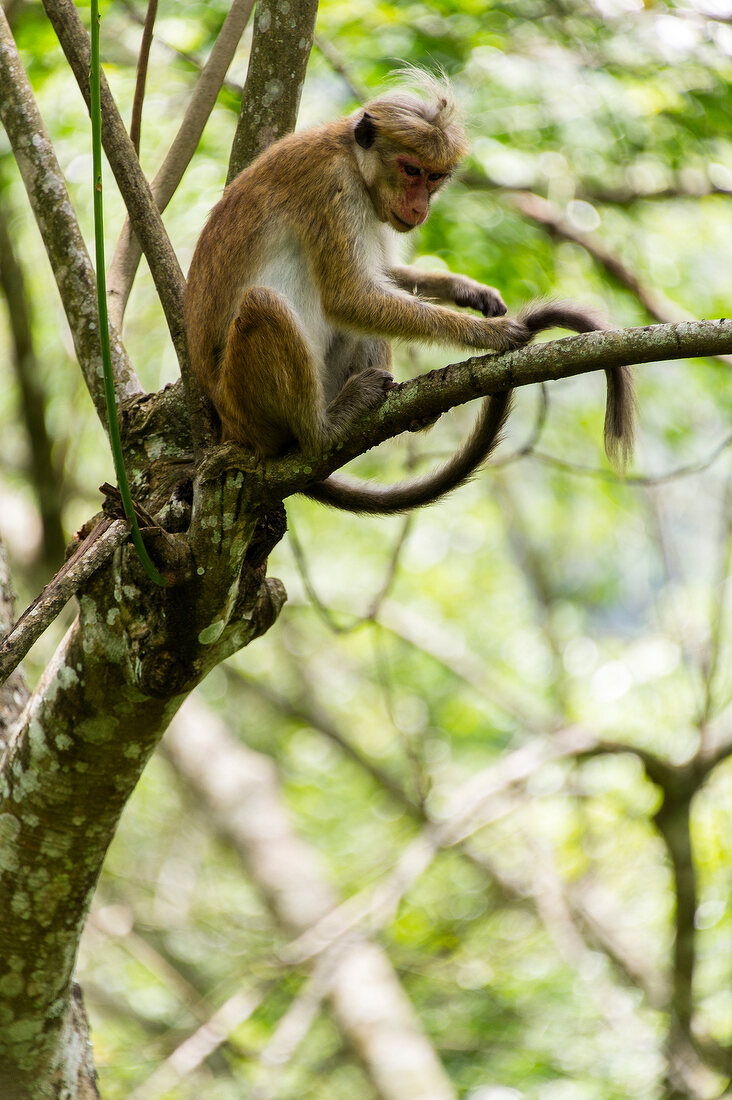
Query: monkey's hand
x: 503, y: 334
x: 474, y: 295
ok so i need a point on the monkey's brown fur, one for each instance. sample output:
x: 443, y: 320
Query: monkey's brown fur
x: 294, y: 291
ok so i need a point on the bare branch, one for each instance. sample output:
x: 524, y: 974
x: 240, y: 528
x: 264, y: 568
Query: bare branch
x: 434, y: 393
x: 548, y: 215
x: 283, y: 38
x: 142, y: 63
x: 59, y: 228
x: 127, y: 253
x: 193, y: 1051
x: 551, y: 218
x: 484, y: 798
x: 38, y: 616
x: 135, y: 191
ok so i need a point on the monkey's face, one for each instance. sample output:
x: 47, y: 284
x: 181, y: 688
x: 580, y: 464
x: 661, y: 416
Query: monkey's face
x: 414, y: 184
x: 400, y: 177
x: 403, y: 188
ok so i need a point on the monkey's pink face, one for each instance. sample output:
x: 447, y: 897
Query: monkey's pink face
x: 415, y: 184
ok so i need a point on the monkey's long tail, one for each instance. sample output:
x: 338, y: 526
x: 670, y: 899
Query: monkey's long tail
x: 621, y: 405
x: 361, y: 496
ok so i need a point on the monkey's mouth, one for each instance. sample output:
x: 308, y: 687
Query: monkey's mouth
x: 400, y: 222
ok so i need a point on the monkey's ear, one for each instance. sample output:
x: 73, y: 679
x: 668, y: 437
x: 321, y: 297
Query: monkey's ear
x: 365, y: 132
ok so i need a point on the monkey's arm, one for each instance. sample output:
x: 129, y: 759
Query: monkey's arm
x: 370, y: 302
x: 459, y: 289
x: 380, y: 309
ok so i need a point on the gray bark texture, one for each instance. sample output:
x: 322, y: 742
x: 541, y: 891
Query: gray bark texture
x: 283, y: 38
x: 77, y: 751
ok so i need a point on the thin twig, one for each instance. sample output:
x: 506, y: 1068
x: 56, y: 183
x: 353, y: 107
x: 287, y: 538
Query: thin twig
x: 127, y: 253
x: 718, y: 616
x: 306, y: 708
x: 102, y: 541
x: 392, y: 570
x: 192, y: 59
x: 46, y: 187
x: 548, y: 215
x: 698, y: 466
x: 321, y: 608
x: 339, y: 65
x: 135, y: 191
x: 324, y: 612
x: 409, y: 744
x: 142, y: 63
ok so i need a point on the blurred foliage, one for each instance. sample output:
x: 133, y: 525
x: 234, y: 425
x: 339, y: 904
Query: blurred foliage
x: 547, y: 594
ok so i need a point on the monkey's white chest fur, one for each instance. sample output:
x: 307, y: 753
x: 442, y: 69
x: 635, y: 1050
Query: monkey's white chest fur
x: 286, y: 271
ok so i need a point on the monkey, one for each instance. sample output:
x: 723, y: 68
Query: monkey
x: 295, y: 290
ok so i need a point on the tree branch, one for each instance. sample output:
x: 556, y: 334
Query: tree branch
x: 283, y: 38
x: 548, y: 215
x: 127, y: 253
x: 142, y: 63
x: 434, y: 393
x: 59, y: 228
x: 38, y: 616
x: 138, y: 199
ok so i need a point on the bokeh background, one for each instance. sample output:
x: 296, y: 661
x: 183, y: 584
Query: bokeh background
x: 542, y: 660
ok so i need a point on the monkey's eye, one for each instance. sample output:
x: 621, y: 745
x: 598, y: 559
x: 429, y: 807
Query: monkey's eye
x: 435, y: 176
x: 412, y: 169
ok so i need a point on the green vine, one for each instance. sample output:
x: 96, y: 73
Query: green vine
x: 114, y: 436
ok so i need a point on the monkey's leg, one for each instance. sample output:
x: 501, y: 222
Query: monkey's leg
x: 264, y: 357
x: 350, y: 354
x: 270, y: 392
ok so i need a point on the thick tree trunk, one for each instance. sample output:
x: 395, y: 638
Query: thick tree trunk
x: 132, y: 655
